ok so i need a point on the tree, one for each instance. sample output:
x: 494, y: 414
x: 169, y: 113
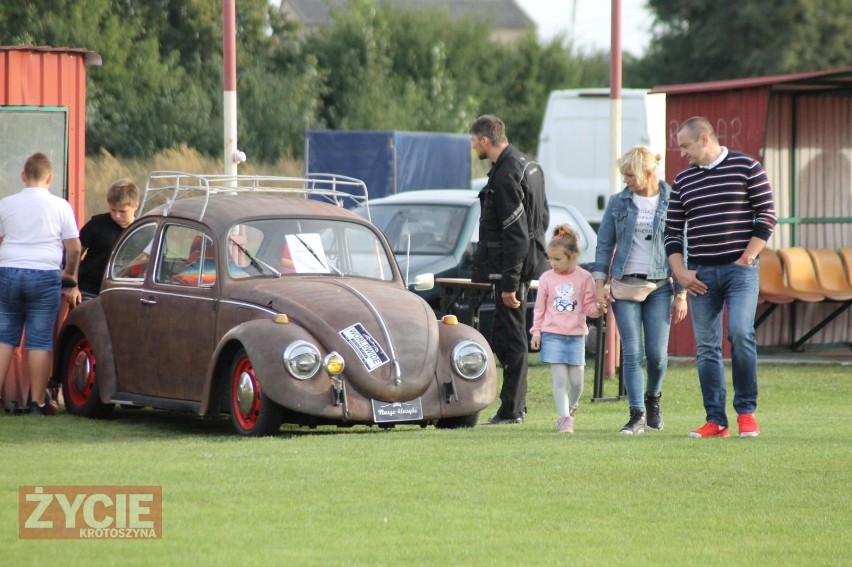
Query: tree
x: 704, y: 40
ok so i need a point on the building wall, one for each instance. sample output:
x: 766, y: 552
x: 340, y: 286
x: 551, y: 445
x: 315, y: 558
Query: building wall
x: 52, y: 77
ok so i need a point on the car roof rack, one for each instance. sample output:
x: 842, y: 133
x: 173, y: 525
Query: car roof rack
x: 166, y: 187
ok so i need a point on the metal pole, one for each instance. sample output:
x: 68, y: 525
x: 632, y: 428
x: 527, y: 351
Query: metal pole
x: 612, y: 338
x: 232, y: 156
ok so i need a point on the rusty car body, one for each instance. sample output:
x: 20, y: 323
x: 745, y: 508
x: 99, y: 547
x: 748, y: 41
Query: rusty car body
x: 265, y: 298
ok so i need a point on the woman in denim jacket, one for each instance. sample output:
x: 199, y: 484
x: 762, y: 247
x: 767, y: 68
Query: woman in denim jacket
x: 630, y: 248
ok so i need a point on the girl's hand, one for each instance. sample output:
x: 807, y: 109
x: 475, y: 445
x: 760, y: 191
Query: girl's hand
x: 535, y: 343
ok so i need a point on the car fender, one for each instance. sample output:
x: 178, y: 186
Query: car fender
x: 480, y: 392
x: 89, y: 319
x: 264, y: 340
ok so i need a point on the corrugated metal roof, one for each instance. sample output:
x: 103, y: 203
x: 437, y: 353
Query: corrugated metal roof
x: 92, y: 58
x: 505, y: 14
x: 831, y: 79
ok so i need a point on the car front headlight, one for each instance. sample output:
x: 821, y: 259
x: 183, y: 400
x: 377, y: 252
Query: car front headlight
x: 469, y: 360
x: 302, y: 360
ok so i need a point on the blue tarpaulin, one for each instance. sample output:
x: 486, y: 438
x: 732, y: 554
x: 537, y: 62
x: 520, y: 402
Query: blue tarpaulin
x: 389, y: 161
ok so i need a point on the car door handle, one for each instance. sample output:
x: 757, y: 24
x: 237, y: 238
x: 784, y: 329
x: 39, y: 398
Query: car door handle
x: 149, y: 301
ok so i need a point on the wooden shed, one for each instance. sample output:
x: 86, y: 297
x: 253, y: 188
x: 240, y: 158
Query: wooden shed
x: 800, y: 127
x: 43, y: 108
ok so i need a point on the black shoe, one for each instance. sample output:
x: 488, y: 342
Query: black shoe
x: 44, y: 409
x: 497, y: 420
x: 636, y: 425
x: 653, y: 414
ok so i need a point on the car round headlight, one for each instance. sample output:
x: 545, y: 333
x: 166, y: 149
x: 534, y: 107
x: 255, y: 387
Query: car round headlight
x: 302, y: 360
x: 469, y: 360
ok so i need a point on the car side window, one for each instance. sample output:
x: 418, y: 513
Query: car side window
x: 187, y: 257
x: 132, y: 257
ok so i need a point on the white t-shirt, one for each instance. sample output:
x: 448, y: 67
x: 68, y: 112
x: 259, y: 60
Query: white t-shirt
x: 639, y: 261
x: 33, y: 224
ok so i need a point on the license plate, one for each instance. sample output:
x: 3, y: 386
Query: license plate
x: 389, y: 412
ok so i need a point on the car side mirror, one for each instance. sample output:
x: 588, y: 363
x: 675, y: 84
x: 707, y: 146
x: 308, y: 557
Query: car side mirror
x: 424, y: 282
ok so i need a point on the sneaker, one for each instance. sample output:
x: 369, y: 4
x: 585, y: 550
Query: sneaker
x: 653, y: 415
x: 497, y: 420
x: 747, y: 425
x: 573, y: 410
x: 710, y: 430
x: 565, y: 424
x: 636, y: 425
x: 44, y: 409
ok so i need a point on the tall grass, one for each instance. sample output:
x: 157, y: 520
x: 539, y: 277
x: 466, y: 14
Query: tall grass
x: 498, y: 495
x: 103, y: 169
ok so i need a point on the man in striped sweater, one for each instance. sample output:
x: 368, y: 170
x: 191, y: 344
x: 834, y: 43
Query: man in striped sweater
x: 721, y: 213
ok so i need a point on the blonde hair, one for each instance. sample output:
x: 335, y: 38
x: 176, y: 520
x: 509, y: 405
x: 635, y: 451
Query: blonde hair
x: 638, y: 160
x: 565, y: 237
x: 123, y: 192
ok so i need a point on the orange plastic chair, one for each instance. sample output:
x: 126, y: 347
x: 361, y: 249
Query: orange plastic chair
x: 846, y: 254
x: 773, y: 288
x: 831, y: 274
x: 801, y: 273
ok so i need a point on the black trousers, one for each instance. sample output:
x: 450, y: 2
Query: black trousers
x: 509, y: 343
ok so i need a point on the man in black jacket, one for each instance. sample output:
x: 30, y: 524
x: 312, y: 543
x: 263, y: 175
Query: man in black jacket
x: 511, y: 252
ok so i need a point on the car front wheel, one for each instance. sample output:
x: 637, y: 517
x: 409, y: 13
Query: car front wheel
x: 458, y: 422
x: 80, y: 380
x: 252, y: 412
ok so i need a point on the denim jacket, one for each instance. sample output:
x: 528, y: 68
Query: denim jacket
x: 615, y: 234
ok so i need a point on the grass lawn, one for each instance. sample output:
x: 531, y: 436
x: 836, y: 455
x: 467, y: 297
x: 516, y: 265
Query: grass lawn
x: 501, y: 495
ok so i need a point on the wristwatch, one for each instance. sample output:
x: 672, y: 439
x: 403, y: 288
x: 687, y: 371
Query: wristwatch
x: 681, y: 294
x: 748, y: 259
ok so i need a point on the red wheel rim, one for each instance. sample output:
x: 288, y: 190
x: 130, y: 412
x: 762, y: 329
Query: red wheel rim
x: 81, y: 373
x: 245, y: 394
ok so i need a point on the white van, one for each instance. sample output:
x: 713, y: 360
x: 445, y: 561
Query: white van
x: 573, y: 147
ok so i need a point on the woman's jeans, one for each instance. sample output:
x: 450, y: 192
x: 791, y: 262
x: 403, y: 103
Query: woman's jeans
x: 651, y: 320
x: 737, y: 288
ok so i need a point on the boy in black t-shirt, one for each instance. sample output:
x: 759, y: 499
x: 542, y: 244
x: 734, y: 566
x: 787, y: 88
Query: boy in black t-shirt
x: 101, y: 232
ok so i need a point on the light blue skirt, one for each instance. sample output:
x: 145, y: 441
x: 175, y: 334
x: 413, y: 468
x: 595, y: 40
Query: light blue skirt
x: 563, y: 349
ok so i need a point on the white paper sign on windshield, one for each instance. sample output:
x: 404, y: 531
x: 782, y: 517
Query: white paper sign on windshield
x: 307, y: 253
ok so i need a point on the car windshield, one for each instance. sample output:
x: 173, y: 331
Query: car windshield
x: 420, y: 229
x: 279, y: 247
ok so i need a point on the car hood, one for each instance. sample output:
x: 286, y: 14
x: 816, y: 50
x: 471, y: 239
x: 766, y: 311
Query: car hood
x: 371, y: 323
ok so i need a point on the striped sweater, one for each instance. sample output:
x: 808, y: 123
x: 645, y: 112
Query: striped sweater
x: 720, y: 209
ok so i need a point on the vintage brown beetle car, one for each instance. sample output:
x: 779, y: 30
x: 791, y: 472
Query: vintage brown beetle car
x: 253, y: 296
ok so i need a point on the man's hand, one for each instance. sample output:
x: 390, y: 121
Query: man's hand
x: 510, y: 300
x: 691, y: 283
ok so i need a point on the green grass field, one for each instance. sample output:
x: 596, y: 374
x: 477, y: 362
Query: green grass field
x: 499, y: 495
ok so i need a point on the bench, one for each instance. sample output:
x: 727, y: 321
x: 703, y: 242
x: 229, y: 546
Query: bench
x: 797, y: 274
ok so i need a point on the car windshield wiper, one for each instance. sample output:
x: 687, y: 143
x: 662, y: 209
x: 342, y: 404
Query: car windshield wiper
x: 258, y: 264
x: 325, y: 265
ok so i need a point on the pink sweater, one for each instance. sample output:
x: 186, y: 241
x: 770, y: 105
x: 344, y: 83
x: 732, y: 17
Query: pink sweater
x: 563, y: 302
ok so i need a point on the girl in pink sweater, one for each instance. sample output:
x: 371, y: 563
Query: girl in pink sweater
x: 565, y: 297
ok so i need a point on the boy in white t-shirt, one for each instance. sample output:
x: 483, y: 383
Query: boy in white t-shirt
x: 35, y: 227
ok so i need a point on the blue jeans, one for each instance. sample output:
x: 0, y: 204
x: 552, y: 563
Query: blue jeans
x: 651, y: 320
x: 31, y: 298
x: 736, y: 287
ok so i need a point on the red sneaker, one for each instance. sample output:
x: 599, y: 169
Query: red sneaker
x: 748, y: 425
x: 710, y: 430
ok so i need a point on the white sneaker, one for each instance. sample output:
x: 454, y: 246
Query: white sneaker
x: 565, y: 424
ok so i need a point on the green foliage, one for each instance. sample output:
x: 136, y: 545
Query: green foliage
x: 384, y: 67
x: 501, y: 495
x: 703, y: 40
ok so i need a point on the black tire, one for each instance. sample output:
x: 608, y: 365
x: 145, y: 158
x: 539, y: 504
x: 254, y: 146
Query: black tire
x: 458, y: 422
x: 80, y: 380
x: 252, y: 412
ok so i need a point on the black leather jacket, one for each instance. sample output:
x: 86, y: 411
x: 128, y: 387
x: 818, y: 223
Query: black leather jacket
x: 514, y: 217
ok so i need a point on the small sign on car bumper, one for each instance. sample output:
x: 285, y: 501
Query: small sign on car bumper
x: 388, y: 412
